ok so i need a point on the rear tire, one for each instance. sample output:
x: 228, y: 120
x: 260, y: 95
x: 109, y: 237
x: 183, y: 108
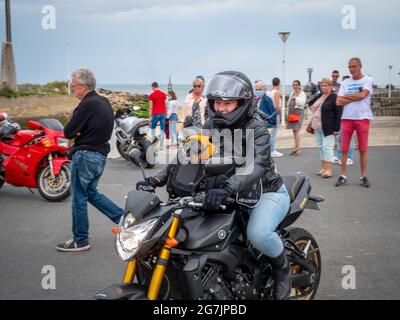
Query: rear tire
x: 58, y: 189
x: 300, y: 238
x: 122, y: 151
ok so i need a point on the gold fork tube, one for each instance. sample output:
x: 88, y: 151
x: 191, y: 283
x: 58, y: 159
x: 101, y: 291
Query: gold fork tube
x: 130, y: 271
x: 159, y: 270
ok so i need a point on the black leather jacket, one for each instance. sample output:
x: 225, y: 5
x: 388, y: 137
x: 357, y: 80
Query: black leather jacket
x: 263, y: 166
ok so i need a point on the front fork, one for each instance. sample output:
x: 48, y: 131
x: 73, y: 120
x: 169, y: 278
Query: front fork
x: 161, y: 265
x: 50, y: 158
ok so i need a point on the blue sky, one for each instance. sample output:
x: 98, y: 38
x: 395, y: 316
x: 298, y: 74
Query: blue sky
x: 140, y: 41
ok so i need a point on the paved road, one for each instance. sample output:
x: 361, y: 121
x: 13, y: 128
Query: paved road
x: 356, y: 226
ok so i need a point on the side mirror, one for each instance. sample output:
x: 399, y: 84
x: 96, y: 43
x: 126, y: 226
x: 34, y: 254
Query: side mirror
x: 135, y: 108
x: 34, y: 125
x: 135, y: 155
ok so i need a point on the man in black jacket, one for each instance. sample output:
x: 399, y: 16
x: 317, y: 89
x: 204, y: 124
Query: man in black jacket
x: 231, y: 109
x: 91, y: 126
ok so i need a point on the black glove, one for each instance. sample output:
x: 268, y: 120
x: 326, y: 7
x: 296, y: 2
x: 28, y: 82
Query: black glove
x: 215, y: 197
x: 149, y: 182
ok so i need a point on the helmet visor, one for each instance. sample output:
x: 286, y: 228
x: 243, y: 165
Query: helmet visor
x: 227, y: 87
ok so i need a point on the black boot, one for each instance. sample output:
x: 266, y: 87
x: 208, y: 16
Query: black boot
x: 280, y: 274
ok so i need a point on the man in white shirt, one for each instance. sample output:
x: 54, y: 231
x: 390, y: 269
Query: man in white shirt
x: 355, y: 97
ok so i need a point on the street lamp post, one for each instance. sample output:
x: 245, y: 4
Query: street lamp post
x: 310, y: 71
x: 68, y: 70
x: 398, y: 74
x: 284, y: 36
x: 390, y: 82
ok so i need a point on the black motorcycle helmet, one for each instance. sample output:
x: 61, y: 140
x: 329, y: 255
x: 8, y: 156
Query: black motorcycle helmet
x: 230, y: 85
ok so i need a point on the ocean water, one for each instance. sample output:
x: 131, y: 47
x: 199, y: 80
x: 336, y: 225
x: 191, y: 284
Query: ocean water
x: 181, y: 90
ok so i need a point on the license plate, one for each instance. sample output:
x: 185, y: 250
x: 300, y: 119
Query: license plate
x: 143, y: 130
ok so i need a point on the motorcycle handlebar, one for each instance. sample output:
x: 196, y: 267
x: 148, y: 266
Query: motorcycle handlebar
x: 198, y: 205
x: 198, y: 202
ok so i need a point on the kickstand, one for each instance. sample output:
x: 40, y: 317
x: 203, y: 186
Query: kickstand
x: 31, y: 191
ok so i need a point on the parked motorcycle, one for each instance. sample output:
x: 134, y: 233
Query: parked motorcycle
x: 175, y: 250
x: 37, y: 159
x: 132, y: 132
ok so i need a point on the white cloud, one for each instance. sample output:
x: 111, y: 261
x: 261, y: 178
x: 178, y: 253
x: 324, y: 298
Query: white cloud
x: 144, y: 39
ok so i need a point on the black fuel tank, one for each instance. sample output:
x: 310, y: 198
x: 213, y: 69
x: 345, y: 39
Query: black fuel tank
x: 208, y: 232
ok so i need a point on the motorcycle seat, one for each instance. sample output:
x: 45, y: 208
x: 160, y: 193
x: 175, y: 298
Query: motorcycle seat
x: 7, y: 139
x: 293, y: 184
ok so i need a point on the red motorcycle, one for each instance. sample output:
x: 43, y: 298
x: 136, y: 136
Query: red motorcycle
x: 37, y: 159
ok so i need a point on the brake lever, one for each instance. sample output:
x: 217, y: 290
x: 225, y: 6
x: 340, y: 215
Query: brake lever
x: 146, y: 188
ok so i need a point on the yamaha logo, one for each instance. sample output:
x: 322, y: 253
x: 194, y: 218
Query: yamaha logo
x: 221, y: 234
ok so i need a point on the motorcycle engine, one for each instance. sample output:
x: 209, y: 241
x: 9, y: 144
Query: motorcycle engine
x: 239, y: 289
x: 243, y: 288
x: 214, y: 285
x: 2, y: 172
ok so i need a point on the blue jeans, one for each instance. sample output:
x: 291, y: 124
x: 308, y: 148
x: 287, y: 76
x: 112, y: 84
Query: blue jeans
x: 326, y: 145
x: 339, y: 147
x: 87, y: 168
x: 173, y: 133
x: 274, y: 132
x: 265, y: 218
x: 154, y: 121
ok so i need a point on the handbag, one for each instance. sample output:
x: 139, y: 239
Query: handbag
x: 310, y: 129
x: 167, y: 128
x: 293, y: 117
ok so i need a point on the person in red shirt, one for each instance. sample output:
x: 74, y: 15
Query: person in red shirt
x: 158, y: 111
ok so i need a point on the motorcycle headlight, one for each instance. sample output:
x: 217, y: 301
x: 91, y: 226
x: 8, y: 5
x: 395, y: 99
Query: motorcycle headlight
x: 127, y: 221
x: 129, y: 239
x: 62, y: 142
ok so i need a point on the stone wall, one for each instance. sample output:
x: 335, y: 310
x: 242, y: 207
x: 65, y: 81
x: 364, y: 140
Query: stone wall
x: 383, y: 106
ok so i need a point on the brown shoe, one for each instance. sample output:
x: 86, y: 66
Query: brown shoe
x: 326, y: 175
x: 295, y: 153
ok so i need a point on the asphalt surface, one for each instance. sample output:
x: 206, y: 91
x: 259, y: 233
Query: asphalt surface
x: 356, y: 226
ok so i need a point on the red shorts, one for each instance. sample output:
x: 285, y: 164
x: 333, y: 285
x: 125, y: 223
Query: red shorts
x: 361, y: 127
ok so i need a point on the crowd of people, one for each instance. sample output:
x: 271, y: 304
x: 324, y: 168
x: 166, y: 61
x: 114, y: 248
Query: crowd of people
x: 338, y: 110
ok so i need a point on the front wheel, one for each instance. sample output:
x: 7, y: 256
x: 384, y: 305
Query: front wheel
x: 301, y: 239
x: 57, y: 189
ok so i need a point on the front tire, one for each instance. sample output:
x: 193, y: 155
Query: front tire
x: 58, y: 189
x: 301, y: 238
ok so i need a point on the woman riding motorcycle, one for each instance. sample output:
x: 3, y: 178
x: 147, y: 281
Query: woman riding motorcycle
x: 231, y: 107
